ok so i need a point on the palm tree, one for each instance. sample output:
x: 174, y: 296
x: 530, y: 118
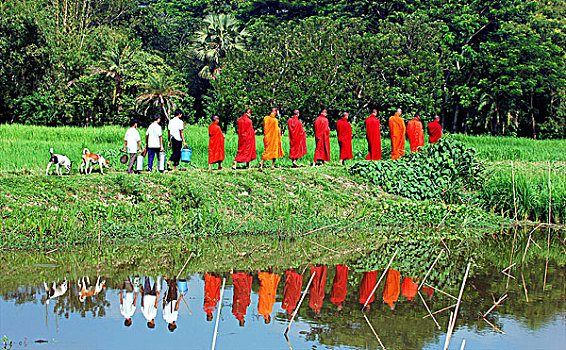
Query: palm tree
x: 161, y: 90
x: 220, y: 35
x: 114, y: 64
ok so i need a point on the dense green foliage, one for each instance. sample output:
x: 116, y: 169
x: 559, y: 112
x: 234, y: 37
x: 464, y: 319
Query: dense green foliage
x: 489, y: 66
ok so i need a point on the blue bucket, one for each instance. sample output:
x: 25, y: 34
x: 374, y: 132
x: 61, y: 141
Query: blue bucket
x: 182, y: 286
x: 186, y: 154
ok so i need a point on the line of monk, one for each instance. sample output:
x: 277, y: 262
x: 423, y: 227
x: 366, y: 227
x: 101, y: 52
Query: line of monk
x: 272, y: 141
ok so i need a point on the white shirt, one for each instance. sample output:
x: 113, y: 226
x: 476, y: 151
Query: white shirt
x: 175, y: 126
x: 149, y: 310
x: 154, y: 132
x: 127, y: 308
x: 132, y: 138
x: 169, y: 312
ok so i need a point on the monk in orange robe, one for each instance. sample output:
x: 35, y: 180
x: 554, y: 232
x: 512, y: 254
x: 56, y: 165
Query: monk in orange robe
x: 368, y: 283
x: 434, y: 130
x: 339, y: 286
x: 211, y: 294
x: 397, y: 131
x: 409, y: 288
x: 297, y: 139
x: 242, y: 293
x: 415, y: 133
x: 344, y: 131
x: 322, y: 138
x: 373, y: 136
x: 246, y: 140
x: 316, y: 293
x: 392, y: 288
x: 271, y: 138
x: 292, y: 292
x: 267, y: 292
x: 215, y: 144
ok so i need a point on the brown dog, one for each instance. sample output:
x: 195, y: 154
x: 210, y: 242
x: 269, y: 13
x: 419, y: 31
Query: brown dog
x: 93, y: 158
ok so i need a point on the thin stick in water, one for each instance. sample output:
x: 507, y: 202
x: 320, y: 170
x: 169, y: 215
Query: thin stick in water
x: 430, y: 269
x: 463, y: 344
x: 300, y: 302
x: 374, y: 332
x: 380, y: 278
x: 449, y: 335
x: 549, y: 219
x: 443, y: 309
x: 218, y: 314
x: 427, y: 309
x: 494, y: 326
x: 525, y: 287
x: 494, y: 305
x: 186, y: 262
x: 442, y: 292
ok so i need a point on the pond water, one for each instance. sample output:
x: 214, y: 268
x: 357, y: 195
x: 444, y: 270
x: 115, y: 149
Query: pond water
x: 255, y: 309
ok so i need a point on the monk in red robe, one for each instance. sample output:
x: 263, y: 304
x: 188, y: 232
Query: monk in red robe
x: 211, y: 294
x: 415, y: 133
x: 429, y: 292
x: 242, y: 293
x: 297, y: 138
x: 368, y: 283
x: 397, y: 132
x: 373, y: 136
x: 409, y: 288
x: 246, y: 140
x: 434, y: 130
x: 322, y: 138
x: 271, y: 139
x: 292, y: 292
x: 316, y: 293
x: 344, y: 131
x: 339, y: 286
x: 392, y: 288
x: 215, y: 144
x: 267, y: 292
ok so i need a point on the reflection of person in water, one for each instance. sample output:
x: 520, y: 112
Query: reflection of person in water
x: 292, y: 292
x: 242, y: 292
x: 128, y: 302
x: 316, y: 294
x: 55, y: 290
x: 339, y: 286
x: 150, y: 298
x: 267, y: 292
x: 409, y: 288
x: 392, y: 289
x: 86, y: 290
x: 368, y: 283
x: 171, y: 302
x: 211, y: 293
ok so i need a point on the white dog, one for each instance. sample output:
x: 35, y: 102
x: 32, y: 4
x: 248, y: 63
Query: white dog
x: 60, y: 161
x: 55, y: 290
x: 93, y: 158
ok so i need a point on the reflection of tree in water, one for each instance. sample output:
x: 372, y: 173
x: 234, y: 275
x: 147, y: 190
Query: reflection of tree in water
x: 22, y: 295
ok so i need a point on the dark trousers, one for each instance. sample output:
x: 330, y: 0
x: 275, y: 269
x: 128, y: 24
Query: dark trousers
x: 171, y: 290
x: 176, y: 147
x: 147, y: 287
x: 151, y: 153
x: 132, y: 162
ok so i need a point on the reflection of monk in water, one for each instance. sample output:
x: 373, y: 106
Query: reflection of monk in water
x: 392, y: 290
x: 368, y: 283
x: 242, y: 292
x: 292, y: 293
x: 211, y: 293
x: 316, y: 294
x: 267, y: 292
x: 409, y: 288
x: 339, y: 286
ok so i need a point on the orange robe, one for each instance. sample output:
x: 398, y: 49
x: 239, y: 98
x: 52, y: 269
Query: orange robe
x: 316, y: 294
x: 297, y: 138
x: 242, y: 292
x: 373, y: 137
x: 293, y: 288
x: 392, y: 287
x: 409, y: 288
x: 267, y: 292
x: 211, y: 293
x: 368, y: 283
x: 397, y: 132
x: 434, y: 131
x: 339, y: 285
x: 272, y: 138
x: 215, y: 143
x: 322, y: 139
x: 415, y: 133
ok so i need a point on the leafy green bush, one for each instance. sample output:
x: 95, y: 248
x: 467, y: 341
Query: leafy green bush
x: 448, y: 170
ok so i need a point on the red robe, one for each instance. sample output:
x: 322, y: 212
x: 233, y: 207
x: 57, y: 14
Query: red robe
x: 392, y: 287
x: 297, y: 138
x: 292, y: 292
x: 242, y: 292
x: 211, y: 293
x: 415, y: 133
x: 246, y: 140
x: 373, y: 136
x: 340, y: 285
x: 322, y: 139
x: 434, y: 131
x: 409, y: 288
x: 316, y: 294
x: 344, y: 130
x: 215, y: 143
x: 368, y: 283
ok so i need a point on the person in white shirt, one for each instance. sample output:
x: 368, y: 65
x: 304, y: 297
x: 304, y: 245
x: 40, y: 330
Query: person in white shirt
x: 153, y: 141
x: 171, y: 304
x: 150, y: 299
x: 128, y: 302
x: 132, y: 143
x: 176, y: 139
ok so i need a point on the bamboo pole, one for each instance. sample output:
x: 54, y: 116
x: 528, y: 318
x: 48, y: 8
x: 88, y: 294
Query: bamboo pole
x: 299, y: 305
x: 525, y: 287
x: 186, y: 262
x: 494, y: 326
x: 449, y: 335
x: 430, y: 269
x: 427, y: 309
x: 380, y: 278
x: 549, y: 219
x: 463, y: 344
x: 494, y: 305
x: 529, y: 243
x: 374, y: 332
x: 443, y: 309
x: 218, y: 314
x: 512, y: 253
